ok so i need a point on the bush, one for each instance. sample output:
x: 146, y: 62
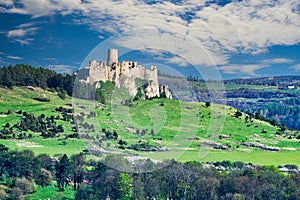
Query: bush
x: 24, y: 185
x: 42, y: 98
x: 45, y: 178
x: 62, y: 95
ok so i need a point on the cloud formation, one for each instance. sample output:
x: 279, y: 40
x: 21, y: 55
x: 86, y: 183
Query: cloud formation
x: 247, y: 27
x: 14, y: 57
x: 277, y: 61
x: 250, y: 69
x: 61, y: 68
x: 23, y: 33
x: 242, y: 69
x: 296, y: 67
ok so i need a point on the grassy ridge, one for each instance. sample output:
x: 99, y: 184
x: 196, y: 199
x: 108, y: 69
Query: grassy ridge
x: 179, y: 126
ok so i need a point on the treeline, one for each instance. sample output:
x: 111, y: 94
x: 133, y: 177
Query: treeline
x: 21, y: 170
x: 281, y: 81
x: 190, y: 181
x: 26, y: 75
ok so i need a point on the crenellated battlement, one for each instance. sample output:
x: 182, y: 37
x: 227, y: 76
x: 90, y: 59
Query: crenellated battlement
x: 112, y: 70
x: 122, y: 73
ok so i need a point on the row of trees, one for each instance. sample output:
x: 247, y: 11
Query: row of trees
x: 26, y: 75
x: 174, y: 180
x: 21, y: 170
x: 166, y: 180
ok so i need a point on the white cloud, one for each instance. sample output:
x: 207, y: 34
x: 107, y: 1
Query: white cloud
x: 6, y: 2
x: 178, y: 60
x: 67, y: 69
x: 248, y: 27
x: 23, y: 34
x: 242, y: 69
x: 278, y: 61
x: 24, y: 41
x: 250, y: 69
x: 14, y: 57
x: 238, y: 27
x: 49, y: 59
x: 16, y: 33
x: 295, y: 67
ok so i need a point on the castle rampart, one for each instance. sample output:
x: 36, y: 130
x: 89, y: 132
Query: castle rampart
x: 122, y: 73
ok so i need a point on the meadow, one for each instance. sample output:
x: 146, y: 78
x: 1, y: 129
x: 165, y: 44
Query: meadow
x: 177, y: 128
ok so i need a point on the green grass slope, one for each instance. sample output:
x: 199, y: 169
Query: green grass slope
x: 174, y: 129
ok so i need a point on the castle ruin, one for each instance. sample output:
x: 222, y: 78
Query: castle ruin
x: 123, y: 74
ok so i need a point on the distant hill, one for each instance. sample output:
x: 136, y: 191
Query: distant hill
x: 276, y: 98
x: 280, y: 81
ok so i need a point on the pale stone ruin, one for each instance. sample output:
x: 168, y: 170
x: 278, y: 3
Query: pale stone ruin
x: 123, y: 74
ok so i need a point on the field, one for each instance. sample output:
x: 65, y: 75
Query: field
x: 175, y: 129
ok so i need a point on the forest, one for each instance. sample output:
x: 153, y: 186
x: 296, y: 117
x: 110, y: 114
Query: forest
x: 26, y: 75
x: 21, y: 173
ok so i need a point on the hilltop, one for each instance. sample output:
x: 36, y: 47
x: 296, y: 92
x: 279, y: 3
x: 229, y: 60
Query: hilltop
x: 176, y: 130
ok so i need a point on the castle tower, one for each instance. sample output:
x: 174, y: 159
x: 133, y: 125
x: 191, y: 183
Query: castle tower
x: 112, y: 56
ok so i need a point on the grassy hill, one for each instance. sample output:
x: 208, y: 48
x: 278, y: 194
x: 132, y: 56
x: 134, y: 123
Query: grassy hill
x: 157, y: 128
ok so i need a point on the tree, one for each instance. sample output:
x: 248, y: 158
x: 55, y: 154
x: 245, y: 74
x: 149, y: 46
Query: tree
x: 16, y: 194
x: 3, y: 193
x: 77, y: 163
x: 62, y: 168
x: 207, y: 104
x: 238, y: 114
x: 45, y: 178
x: 4, y: 156
x: 26, y: 186
x: 125, y: 188
x: 23, y: 164
x: 46, y: 162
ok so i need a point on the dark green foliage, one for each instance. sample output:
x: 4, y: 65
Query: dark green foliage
x: 109, y: 93
x: 19, y: 164
x: 45, y: 178
x: 207, y: 104
x: 125, y: 190
x: 41, y: 124
x: 238, y: 114
x: 77, y: 168
x: 62, y: 171
x: 190, y: 181
x: 62, y: 94
x: 42, y: 99
x: 140, y: 94
x: 26, y: 75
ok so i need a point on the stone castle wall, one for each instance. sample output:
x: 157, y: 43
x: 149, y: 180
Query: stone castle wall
x: 112, y: 70
x: 122, y: 73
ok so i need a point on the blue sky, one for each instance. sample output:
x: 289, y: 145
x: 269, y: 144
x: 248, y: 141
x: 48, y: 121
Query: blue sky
x: 233, y: 38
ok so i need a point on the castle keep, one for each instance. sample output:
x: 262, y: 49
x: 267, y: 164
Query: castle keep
x: 123, y: 74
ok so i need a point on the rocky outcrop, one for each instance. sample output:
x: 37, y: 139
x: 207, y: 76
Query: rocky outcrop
x: 215, y: 145
x: 152, y: 90
x: 261, y: 146
x: 128, y: 83
x: 165, y: 92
